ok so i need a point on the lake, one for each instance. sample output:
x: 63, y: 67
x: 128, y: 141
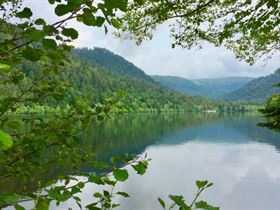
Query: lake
x: 240, y: 158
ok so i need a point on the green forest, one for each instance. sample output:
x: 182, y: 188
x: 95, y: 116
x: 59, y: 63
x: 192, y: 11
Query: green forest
x: 98, y: 74
x: 52, y: 92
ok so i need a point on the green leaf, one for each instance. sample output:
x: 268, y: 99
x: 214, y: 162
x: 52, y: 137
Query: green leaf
x: 92, y: 207
x: 273, y: 3
x: 140, y: 2
x: 124, y: 194
x: 70, y: 32
x: 42, y: 203
x: 88, y: 18
x: 25, y: 13
x: 96, y: 180
x: 201, y: 184
x: 6, y: 141
x: 204, y: 205
x: 37, y: 34
x: 162, y: 203
x: 115, y: 23
x: 106, y: 193
x: 74, y: 4
x: 49, y: 43
x: 115, y: 205
x: 109, y: 182
x: 140, y: 168
x: 12, y: 198
x: 14, y: 124
x: 99, y: 21
x: 32, y: 54
x: 40, y: 21
x: 178, y: 200
x: 81, y: 185
x: 120, y: 174
x: 120, y: 4
x: 97, y: 195
x: 209, y: 185
x: 18, y: 207
x: 61, y: 9
x: 4, y: 67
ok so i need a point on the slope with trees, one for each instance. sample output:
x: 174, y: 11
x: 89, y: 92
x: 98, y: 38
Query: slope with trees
x: 98, y: 73
x: 214, y: 88
x: 258, y: 90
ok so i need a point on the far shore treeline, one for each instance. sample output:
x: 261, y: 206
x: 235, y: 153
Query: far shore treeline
x: 97, y: 74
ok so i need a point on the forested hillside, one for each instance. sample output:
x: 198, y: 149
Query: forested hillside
x: 214, y: 88
x: 98, y: 74
x: 104, y: 58
x: 258, y: 90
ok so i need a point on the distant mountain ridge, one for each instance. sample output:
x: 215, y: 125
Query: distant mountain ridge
x: 258, y: 90
x: 214, y: 88
x: 110, y: 72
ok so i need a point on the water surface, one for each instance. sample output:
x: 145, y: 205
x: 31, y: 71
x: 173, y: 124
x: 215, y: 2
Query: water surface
x: 242, y: 159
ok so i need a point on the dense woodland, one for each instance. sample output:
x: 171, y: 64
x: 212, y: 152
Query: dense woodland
x: 214, y: 88
x: 258, y: 90
x: 97, y: 74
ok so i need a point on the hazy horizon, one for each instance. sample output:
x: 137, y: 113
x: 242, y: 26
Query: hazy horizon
x: 201, y: 78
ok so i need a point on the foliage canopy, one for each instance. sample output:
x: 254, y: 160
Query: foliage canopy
x: 248, y: 28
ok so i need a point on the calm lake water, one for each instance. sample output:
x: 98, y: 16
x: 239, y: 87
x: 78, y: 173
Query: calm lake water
x: 240, y: 158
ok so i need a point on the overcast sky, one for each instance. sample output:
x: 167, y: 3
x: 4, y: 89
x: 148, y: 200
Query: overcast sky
x: 157, y: 56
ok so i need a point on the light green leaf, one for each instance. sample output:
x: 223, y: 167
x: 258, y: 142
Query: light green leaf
x: 115, y: 23
x: 42, y: 203
x: 120, y: 174
x: 140, y: 168
x: 6, y: 141
x: 37, y: 35
x: 4, y: 67
x: 18, y: 207
x: 201, y: 184
x: 96, y: 180
x: 12, y: 198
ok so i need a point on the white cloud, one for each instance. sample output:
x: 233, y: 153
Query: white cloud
x: 157, y: 56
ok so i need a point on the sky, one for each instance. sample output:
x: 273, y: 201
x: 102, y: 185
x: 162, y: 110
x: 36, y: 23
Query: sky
x: 156, y: 57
